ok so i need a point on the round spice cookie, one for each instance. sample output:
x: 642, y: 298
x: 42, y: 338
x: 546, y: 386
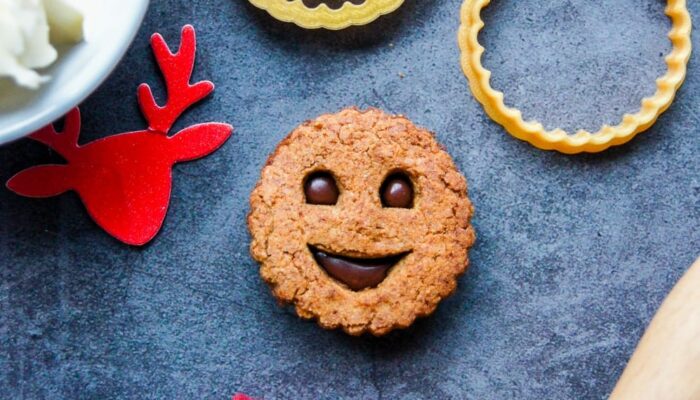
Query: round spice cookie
x: 362, y: 221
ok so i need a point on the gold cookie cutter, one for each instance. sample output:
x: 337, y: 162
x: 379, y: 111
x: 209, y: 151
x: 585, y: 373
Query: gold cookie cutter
x: 557, y: 139
x: 323, y: 16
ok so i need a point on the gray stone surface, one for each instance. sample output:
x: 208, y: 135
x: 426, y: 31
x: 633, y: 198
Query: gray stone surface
x: 573, y: 257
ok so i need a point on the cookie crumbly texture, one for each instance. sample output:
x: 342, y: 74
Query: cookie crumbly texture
x: 360, y: 149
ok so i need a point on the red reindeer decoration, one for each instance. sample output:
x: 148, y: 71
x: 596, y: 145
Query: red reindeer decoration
x: 124, y: 180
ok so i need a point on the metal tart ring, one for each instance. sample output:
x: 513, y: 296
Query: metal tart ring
x: 557, y: 139
x: 324, y: 17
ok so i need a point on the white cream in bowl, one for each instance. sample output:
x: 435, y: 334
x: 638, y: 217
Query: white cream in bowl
x: 29, y: 29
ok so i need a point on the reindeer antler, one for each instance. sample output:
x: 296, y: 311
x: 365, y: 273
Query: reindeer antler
x: 66, y: 142
x: 177, y: 71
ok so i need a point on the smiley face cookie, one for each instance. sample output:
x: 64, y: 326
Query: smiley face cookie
x: 362, y: 221
x: 329, y: 14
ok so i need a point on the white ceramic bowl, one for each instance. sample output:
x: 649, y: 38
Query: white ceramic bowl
x: 110, y: 27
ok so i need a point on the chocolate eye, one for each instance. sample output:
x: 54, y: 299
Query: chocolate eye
x: 320, y: 188
x: 397, y: 191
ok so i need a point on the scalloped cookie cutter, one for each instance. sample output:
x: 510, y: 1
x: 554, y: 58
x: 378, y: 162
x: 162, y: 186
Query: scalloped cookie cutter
x: 323, y: 16
x: 557, y: 139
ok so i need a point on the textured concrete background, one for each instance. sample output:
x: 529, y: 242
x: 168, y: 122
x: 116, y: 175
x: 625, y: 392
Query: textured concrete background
x: 574, y: 253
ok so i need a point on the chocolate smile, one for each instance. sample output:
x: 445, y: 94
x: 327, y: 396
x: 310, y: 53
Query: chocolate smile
x: 332, y: 4
x: 356, y: 273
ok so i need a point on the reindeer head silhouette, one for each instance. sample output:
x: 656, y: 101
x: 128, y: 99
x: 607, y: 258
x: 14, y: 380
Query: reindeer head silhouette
x: 124, y: 180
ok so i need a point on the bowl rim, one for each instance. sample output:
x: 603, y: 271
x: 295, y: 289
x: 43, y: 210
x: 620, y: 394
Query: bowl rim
x: 75, y: 97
